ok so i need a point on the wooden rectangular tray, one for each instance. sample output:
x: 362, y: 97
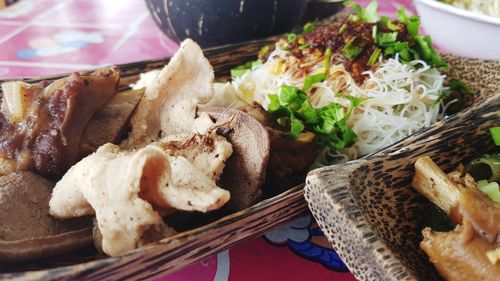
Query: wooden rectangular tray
x: 187, y: 247
x: 368, y: 209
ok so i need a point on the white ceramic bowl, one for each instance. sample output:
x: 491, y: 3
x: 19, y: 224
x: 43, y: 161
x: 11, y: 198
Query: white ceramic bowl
x: 460, y: 32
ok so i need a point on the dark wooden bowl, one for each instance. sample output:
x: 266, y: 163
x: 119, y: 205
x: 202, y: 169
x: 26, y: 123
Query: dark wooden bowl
x: 220, y: 22
x: 368, y: 209
x: 226, y: 230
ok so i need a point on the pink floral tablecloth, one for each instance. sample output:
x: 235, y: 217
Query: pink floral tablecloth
x: 45, y: 37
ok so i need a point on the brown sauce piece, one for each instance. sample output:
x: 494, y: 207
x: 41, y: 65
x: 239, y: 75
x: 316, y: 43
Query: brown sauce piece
x: 47, y: 138
x: 336, y: 35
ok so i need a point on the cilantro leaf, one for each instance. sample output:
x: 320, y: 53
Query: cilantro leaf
x: 355, y: 101
x: 403, y: 49
x: 423, y: 47
x: 328, y: 123
x: 288, y: 94
x: 369, y: 14
x: 427, y: 52
x: 348, y: 136
x: 412, y: 25
x: 309, y: 113
x: 357, y: 8
x: 332, y: 111
x: 401, y: 15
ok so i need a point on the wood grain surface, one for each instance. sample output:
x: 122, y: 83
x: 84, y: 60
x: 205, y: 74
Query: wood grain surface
x: 190, y: 246
x: 186, y: 247
x: 368, y: 209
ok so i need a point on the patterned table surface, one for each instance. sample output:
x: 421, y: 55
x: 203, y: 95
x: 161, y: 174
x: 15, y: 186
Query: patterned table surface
x: 45, y: 37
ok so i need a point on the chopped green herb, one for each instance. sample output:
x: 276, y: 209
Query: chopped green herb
x: 238, y: 72
x: 357, y: 8
x: 368, y: 14
x: 288, y: 93
x: 491, y: 189
x: 424, y: 46
x: 332, y: 111
x: 403, y: 49
x: 305, y: 45
x: 256, y: 63
x: 274, y: 103
x: 291, y: 37
x: 326, y: 60
x: 308, y: 27
x: 348, y: 136
x: 329, y: 123
x: 374, y: 33
x: 401, y: 15
x: 309, y: 113
x: 242, y: 69
x: 352, y: 49
x: 296, y: 127
x: 313, y: 79
x: 424, y: 49
x: 495, y: 135
x: 386, y: 38
x: 263, y: 51
x: 374, y: 56
x: 355, y: 101
x: 387, y: 22
x: 342, y: 28
x: 412, y: 25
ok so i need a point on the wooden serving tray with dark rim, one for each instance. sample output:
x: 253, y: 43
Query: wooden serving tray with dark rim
x: 187, y: 247
x: 368, y: 208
